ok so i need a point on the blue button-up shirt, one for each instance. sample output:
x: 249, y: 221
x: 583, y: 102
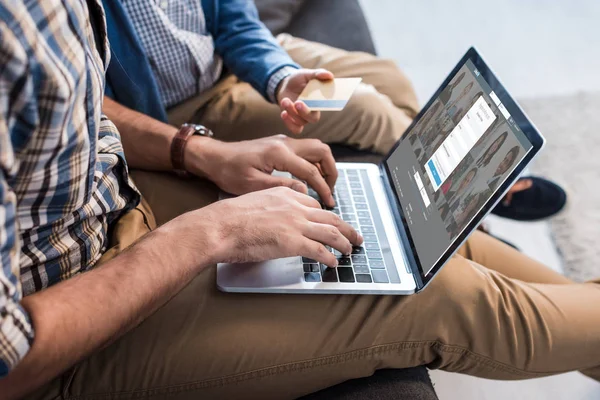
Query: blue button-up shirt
x: 180, y: 50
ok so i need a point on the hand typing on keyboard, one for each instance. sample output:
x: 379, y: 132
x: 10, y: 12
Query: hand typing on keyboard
x: 244, y: 167
x: 366, y: 263
x: 278, y: 223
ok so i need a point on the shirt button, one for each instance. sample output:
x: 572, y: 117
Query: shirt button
x: 164, y: 4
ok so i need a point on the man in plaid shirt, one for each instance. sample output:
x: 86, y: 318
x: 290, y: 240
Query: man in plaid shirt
x: 65, y: 187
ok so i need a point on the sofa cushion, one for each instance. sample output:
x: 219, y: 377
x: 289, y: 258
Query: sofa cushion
x: 337, y: 23
x: 277, y: 14
x: 386, y: 384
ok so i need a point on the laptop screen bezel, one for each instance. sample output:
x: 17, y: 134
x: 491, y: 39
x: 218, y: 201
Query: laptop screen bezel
x: 521, y: 120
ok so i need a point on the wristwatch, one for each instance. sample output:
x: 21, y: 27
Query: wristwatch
x: 180, y: 141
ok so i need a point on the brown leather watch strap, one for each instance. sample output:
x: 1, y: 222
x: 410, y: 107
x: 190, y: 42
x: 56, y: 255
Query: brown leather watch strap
x: 178, y: 148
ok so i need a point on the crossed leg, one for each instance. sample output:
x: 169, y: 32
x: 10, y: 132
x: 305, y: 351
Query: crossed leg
x: 471, y: 319
x: 379, y: 112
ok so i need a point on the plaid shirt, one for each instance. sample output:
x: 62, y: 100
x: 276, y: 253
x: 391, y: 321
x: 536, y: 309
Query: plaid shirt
x: 180, y: 50
x: 63, y: 176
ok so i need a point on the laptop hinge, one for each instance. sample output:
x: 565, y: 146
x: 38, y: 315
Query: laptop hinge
x: 402, y: 233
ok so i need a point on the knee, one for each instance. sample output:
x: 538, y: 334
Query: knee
x: 398, y: 83
x: 468, y: 297
x: 455, y: 287
x: 378, y: 124
x: 474, y: 300
x: 368, y: 104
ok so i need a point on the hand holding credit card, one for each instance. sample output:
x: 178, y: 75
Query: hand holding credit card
x: 332, y: 95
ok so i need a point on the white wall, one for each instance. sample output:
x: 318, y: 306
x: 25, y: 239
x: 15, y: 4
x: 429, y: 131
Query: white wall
x: 536, y: 47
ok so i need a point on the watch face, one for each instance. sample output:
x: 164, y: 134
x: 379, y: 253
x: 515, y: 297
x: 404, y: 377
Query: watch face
x: 196, y: 127
x: 200, y: 129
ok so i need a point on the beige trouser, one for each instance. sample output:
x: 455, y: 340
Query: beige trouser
x: 491, y: 311
x: 377, y: 115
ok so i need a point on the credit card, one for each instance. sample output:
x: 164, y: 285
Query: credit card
x: 330, y: 95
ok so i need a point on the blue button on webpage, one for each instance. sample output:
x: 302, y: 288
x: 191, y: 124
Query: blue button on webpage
x: 434, y: 173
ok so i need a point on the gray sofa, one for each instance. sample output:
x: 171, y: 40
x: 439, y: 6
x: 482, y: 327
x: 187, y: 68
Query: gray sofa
x: 341, y: 23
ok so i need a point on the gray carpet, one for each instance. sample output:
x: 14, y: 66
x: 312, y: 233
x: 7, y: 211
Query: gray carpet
x: 571, y: 125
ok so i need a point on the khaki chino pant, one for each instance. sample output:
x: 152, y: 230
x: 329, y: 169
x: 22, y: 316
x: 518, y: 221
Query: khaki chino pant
x: 491, y: 312
x: 378, y: 113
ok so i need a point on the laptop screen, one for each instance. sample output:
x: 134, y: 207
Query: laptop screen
x: 448, y: 166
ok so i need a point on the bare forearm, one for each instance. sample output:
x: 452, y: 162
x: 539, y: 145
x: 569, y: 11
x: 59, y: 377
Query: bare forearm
x: 147, y: 141
x: 86, y: 313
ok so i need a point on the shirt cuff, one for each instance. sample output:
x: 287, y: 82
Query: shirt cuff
x: 16, y: 335
x: 276, y: 79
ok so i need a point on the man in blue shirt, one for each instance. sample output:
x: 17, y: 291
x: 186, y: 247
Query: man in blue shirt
x: 213, y: 62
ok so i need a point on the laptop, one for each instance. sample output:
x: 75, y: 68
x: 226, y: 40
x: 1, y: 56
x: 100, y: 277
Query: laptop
x: 453, y: 164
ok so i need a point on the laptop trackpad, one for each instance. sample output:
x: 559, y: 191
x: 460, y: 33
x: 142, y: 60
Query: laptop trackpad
x: 272, y: 273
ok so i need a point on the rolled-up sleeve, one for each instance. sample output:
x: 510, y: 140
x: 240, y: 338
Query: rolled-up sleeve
x: 16, y: 331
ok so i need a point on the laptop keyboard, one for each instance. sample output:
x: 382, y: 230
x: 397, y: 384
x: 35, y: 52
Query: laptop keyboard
x: 366, y: 264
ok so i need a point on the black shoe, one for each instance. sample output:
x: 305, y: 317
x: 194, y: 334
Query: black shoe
x: 542, y: 200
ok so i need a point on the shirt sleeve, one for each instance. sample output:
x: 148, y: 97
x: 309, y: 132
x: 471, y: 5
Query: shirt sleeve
x: 16, y: 331
x: 248, y: 48
x: 276, y: 79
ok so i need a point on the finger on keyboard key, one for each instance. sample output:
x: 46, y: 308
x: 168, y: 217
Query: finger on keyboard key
x: 328, y: 274
x: 358, y: 250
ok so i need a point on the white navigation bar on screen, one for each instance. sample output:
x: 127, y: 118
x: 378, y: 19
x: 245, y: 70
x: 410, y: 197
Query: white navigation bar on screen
x: 460, y: 141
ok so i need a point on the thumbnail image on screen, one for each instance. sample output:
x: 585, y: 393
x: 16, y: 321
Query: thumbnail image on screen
x: 457, y: 155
